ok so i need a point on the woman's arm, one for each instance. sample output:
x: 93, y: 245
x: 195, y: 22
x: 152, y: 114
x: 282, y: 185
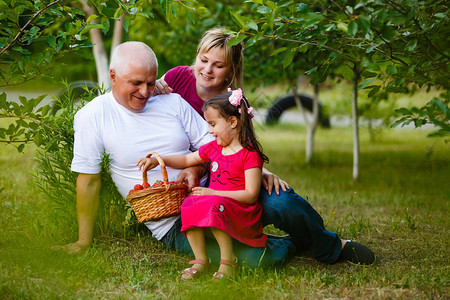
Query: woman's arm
x: 247, y: 196
x: 161, y: 87
x: 270, y: 181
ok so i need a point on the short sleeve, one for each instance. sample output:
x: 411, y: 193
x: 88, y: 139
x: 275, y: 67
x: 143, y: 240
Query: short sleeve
x: 252, y: 160
x: 88, y: 146
x: 206, y: 150
x: 171, y: 75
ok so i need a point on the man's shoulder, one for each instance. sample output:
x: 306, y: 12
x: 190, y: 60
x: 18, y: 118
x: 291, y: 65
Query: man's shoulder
x: 94, y: 108
x: 171, y: 99
x: 96, y: 103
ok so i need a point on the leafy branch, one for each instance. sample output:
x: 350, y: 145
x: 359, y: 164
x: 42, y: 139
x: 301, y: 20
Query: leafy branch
x: 35, y: 15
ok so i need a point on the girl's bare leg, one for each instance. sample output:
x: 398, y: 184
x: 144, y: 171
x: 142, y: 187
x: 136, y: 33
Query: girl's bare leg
x: 196, y: 238
x: 226, y: 250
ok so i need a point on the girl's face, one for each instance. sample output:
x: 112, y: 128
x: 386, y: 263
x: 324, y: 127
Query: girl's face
x: 210, y: 69
x: 223, y: 131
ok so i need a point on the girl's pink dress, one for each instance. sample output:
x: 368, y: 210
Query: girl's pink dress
x: 241, y: 221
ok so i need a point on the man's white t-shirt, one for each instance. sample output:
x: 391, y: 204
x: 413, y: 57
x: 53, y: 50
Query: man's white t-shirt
x: 167, y: 125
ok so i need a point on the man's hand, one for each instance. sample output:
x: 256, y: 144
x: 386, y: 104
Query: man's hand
x: 191, y: 176
x: 270, y: 181
x: 78, y: 247
x: 88, y: 191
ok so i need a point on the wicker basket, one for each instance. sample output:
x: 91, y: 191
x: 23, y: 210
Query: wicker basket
x: 154, y: 203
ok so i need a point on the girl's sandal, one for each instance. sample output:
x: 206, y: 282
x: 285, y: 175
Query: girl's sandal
x: 221, y: 275
x: 192, y: 273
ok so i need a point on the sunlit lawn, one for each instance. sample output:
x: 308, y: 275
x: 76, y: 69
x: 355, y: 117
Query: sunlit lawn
x: 400, y: 208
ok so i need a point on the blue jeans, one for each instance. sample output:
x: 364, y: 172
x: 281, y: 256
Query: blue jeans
x: 288, y: 212
x: 294, y: 215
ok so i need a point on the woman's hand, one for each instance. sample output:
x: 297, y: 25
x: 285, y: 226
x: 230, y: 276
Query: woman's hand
x: 270, y: 181
x: 161, y: 87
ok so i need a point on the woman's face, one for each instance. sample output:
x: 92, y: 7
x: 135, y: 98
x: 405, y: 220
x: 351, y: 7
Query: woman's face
x: 210, y: 69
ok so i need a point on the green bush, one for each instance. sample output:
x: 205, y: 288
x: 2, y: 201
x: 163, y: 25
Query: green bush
x: 52, y: 132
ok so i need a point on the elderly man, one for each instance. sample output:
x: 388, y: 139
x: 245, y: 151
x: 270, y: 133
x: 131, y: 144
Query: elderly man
x: 127, y: 123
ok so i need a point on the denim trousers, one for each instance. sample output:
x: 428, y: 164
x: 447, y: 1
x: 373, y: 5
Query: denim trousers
x: 288, y: 212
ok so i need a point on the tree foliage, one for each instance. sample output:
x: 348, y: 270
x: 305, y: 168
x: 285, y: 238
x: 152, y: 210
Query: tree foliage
x: 34, y: 35
x: 401, y: 45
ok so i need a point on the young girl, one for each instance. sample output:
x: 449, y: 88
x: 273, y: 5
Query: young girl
x: 228, y: 208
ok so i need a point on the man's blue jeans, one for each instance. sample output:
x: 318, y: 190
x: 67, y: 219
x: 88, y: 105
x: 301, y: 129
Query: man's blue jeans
x: 288, y: 212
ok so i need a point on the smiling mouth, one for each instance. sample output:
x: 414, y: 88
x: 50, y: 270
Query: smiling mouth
x: 206, y: 77
x: 141, y: 99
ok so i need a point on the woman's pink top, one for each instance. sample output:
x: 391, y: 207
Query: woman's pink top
x: 181, y: 79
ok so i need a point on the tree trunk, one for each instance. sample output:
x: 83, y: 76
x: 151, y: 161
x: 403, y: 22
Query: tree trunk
x: 311, y: 126
x: 355, y: 123
x: 98, y: 49
x: 311, y: 129
x: 117, y: 34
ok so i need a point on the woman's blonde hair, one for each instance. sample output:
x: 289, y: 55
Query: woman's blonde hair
x: 234, y: 55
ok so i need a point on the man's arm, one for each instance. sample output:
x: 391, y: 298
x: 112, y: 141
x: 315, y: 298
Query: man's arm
x: 88, y: 199
x: 191, y: 176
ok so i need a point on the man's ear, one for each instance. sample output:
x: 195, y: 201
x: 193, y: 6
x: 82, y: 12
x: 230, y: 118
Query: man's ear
x: 112, y: 76
x: 233, y: 121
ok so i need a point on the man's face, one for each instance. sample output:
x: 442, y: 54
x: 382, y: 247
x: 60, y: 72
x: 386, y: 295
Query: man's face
x: 133, y: 87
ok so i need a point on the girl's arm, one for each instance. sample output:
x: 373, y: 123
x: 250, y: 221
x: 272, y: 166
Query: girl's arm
x: 247, y: 196
x: 180, y: 161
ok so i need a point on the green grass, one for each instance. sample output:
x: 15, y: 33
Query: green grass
x: 400, y: 208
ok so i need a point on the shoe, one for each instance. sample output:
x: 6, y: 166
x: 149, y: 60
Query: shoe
x: 192, y: 273
x: 357, y: 253
x: 221, y: 275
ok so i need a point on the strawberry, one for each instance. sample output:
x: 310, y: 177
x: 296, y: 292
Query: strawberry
x: 137, y: 187
x: 145, y: 185
x: 130, y: 192
x: 158, y: 183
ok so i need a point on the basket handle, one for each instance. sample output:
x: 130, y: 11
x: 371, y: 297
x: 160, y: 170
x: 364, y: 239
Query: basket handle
x: 161, y: 164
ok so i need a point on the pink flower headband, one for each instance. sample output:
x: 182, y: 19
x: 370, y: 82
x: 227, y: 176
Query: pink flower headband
x: 235, y: 100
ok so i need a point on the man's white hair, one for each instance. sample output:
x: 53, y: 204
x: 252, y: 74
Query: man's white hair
x: 132, y: 52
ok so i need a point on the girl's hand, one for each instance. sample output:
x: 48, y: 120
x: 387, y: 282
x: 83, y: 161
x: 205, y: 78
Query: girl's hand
x: 147, y: 163
x: 201, y: 191
x: 161, y: 87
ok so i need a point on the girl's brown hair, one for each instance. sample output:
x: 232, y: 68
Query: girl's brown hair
x: 245, y: 128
